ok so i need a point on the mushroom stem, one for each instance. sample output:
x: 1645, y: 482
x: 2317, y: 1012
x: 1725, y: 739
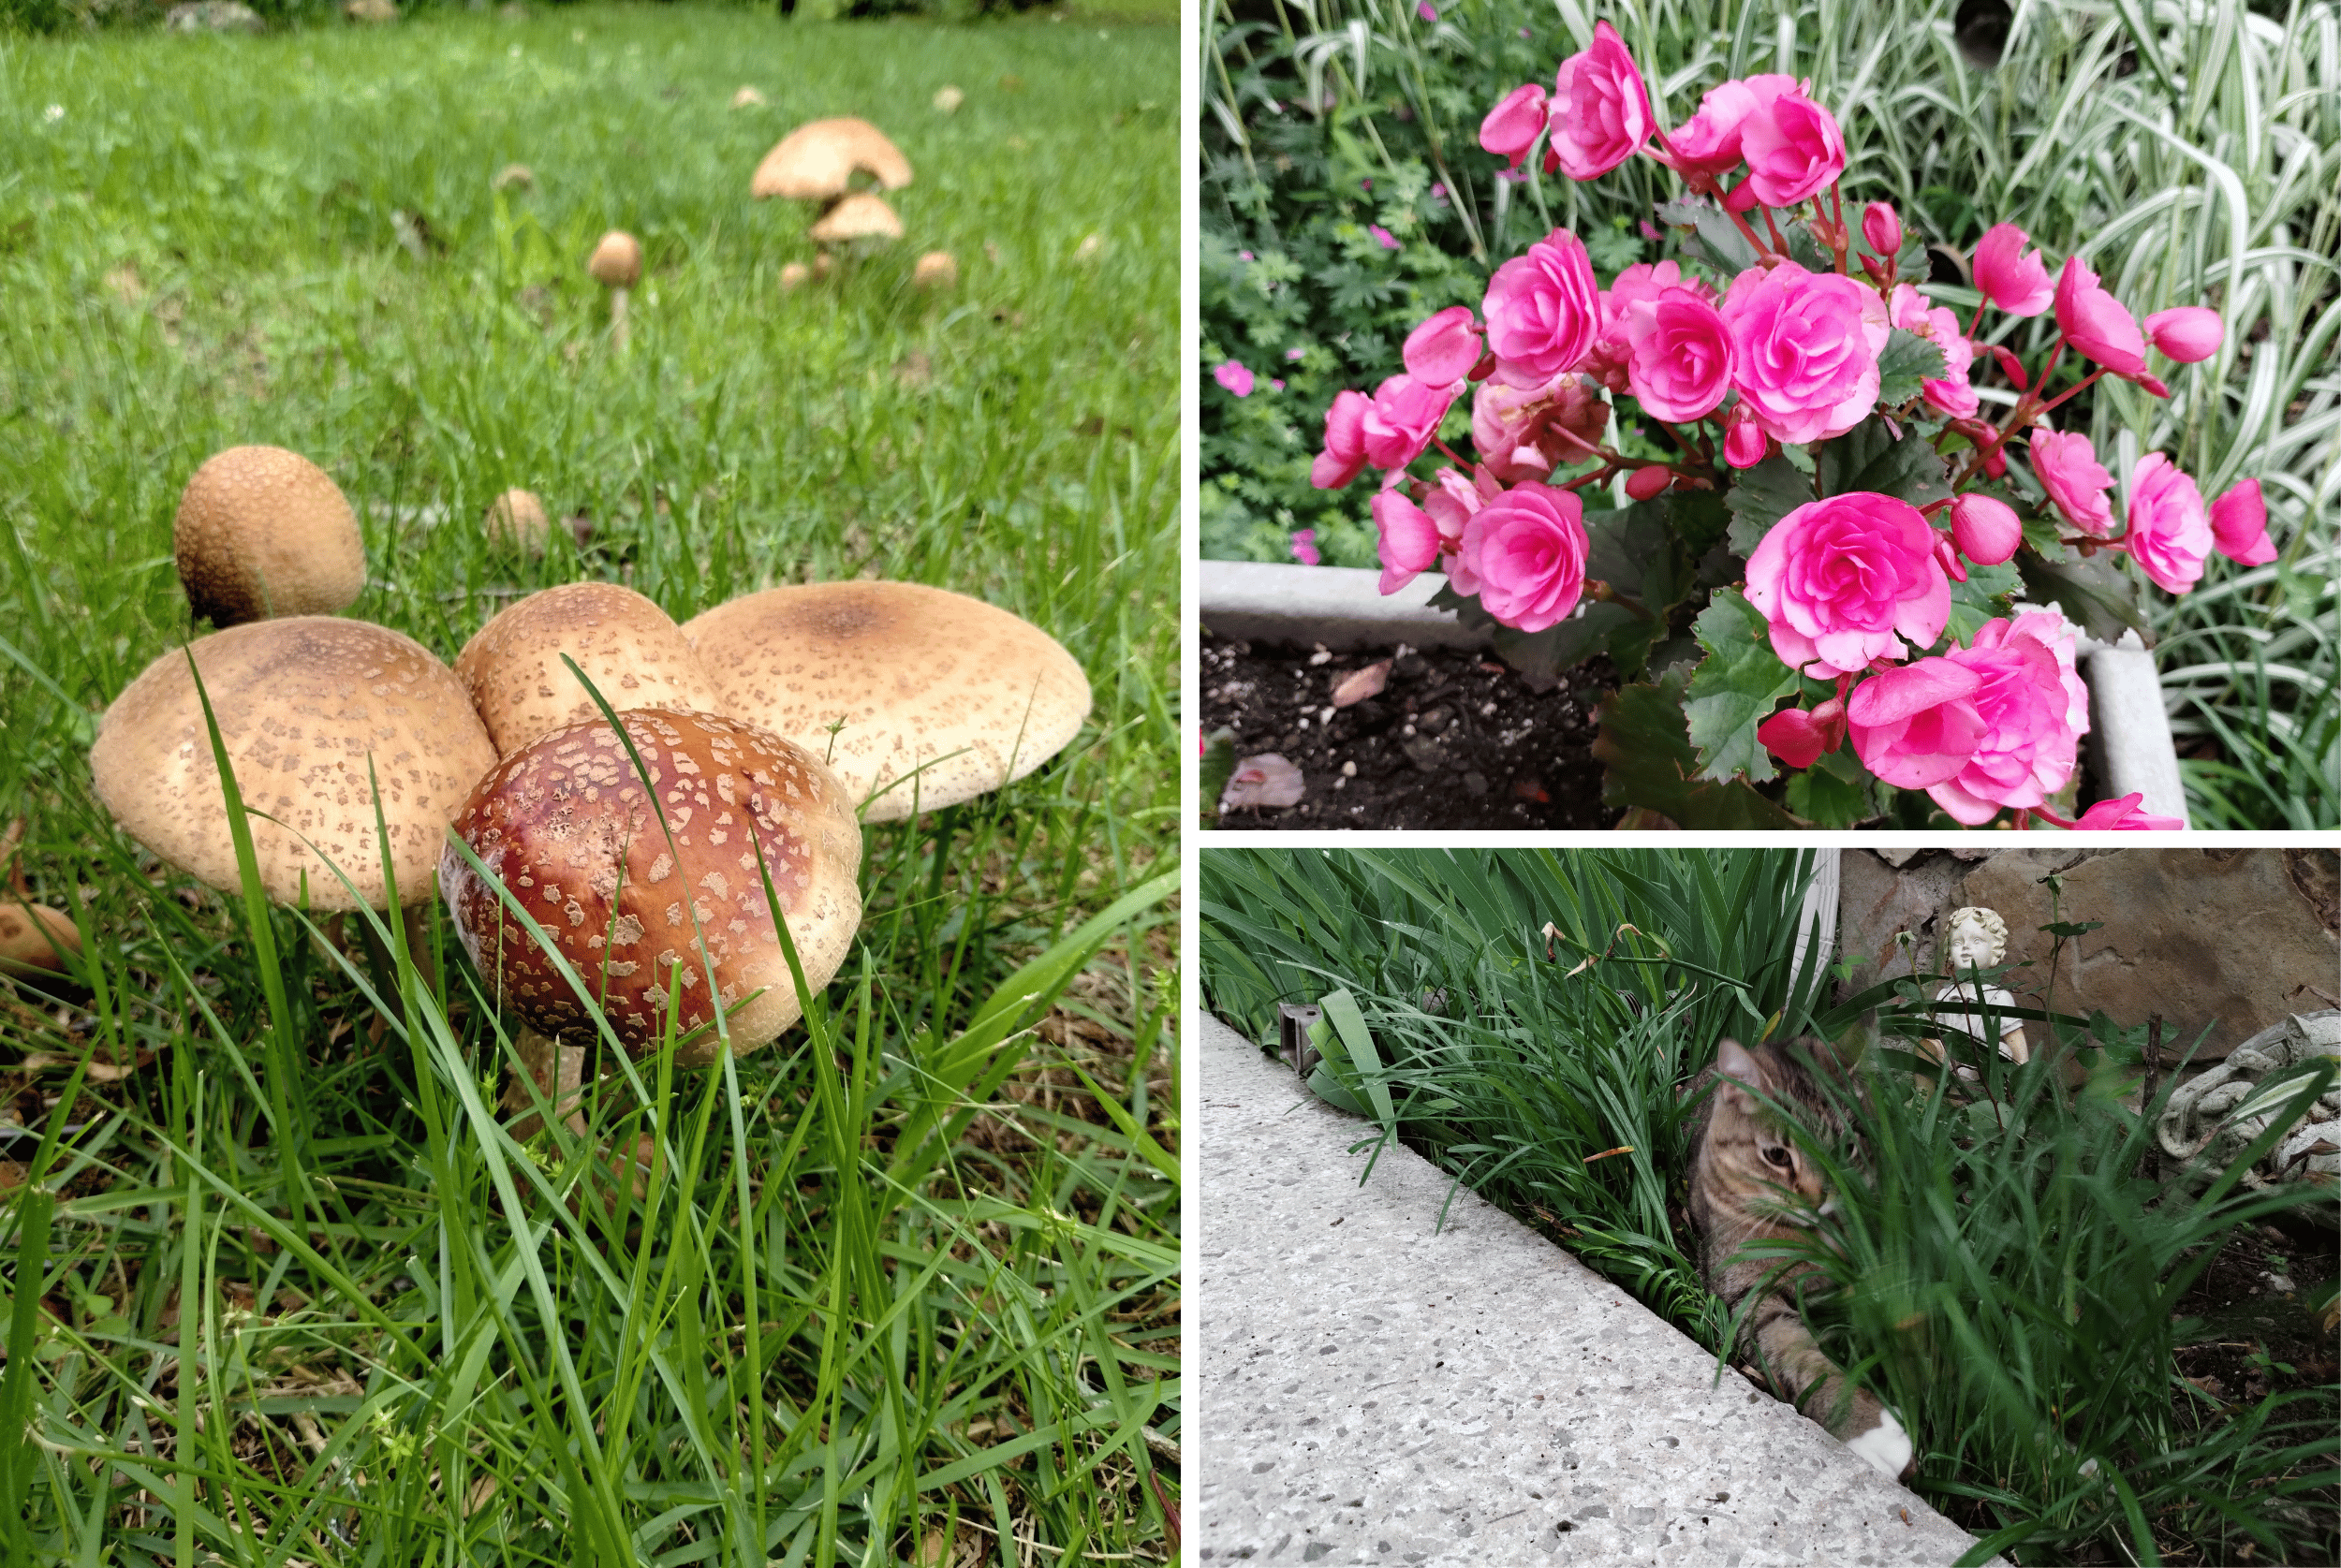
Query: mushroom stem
x: 617, y: 318
x: 417, y: 918
x: 558, y: 1074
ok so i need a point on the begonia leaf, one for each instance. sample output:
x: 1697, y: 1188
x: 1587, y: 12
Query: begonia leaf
x: 1646, y: 753
x: 1982, y: 597
x: 1905, y: 467
x: 1734, y: 689
x: 1761, y: 496
x: 2095, y: 594
x: 1906, y: 359
x: 1836, y: 791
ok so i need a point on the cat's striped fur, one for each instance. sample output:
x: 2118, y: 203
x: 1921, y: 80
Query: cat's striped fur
x: 1750, y: 1182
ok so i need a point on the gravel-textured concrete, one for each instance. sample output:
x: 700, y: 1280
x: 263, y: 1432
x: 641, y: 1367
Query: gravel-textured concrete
x: 1341, y: 606
x: 1374, y: 1391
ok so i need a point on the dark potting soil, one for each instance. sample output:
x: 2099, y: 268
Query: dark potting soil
x: 1456, y: 741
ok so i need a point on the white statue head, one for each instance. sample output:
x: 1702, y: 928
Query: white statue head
x: 1976, y: 938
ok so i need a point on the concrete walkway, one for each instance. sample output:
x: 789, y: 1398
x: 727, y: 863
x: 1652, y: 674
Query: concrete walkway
x: 1374, y: 1391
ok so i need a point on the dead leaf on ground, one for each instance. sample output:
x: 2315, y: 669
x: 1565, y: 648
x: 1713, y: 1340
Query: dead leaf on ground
x: 1359, y: 685
x: 99, y: 1072
x: 1266, y: 780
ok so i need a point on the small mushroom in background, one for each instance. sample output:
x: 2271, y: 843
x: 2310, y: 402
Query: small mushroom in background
x: 936, y: 270
x: 617, y: 264
x: 948, y: 99
x: 818, y: 161
x: 918, y: 697
x: 1090, y: 248
x: 370, y: 12
x: 262, y: 531
x: 796, y: 274
x: 748, y: 97
x: 301, y: 704
x: 859, y: 217
x: 515, y: 520
x: 631, y: 649
x: 636, y: 904
x: 34, y: 940
x: 514, y: 176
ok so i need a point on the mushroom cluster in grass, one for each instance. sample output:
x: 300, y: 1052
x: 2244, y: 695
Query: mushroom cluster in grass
x: 649, y: 892
x: 304, y: 704
x: 264, y: 531
x: 818, y: 162
x: 917, y: 696
x: 617, y: 264
x: 633, y: 653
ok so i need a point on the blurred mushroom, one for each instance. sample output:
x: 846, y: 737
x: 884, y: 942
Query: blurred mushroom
x: 918, y: 697
x: 948, y: 99
x: 796, y: 274
x: 304, y: 704
x: 631, y: 651
x: 818, y: 161
x: 748, y: 97
x: 617, y: 264
x: 641, y: 900
x: 264, y: 531
x: 35, y: 938
x: 515, y: 520
x: 936, y: 270
x: 859, y: 217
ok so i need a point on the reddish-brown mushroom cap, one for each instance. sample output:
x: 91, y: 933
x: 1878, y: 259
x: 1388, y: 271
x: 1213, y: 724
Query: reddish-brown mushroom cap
x: 568, y: 826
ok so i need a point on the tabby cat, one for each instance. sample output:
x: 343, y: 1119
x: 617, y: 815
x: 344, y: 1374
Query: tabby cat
x: 1750, y: 1182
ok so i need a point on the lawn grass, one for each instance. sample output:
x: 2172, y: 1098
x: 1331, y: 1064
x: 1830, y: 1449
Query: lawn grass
x: 903, y: 1285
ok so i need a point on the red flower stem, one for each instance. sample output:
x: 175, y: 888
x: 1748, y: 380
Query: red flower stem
x: 2027, y: 409
x: 1601, y: 592
x: 1839, y: 240
x: 1603, y: 475
x: 1443, y: 446
x: 2078, y: 388
x: 1978, y: 316
x: 1779, y: 244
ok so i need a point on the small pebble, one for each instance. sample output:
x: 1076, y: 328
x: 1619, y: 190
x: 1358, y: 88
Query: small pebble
x: 1322, y: 656
x: 1349, y: 770
x: 1324, y: 715
x: 1475, y: 783
x: 1487, y: 710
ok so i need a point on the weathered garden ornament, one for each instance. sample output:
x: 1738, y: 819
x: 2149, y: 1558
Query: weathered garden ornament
x: 2210, y: 1120
x: 1977, y: 938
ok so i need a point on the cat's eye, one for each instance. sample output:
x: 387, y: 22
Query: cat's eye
x: 1777, y: 1155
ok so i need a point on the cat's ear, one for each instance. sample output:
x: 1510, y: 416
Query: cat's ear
x: 1736, y: 1063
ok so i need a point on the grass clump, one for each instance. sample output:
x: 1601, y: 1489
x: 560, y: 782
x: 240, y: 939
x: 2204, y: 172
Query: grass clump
x: 2010, y: 1273
x: 282, y: 1284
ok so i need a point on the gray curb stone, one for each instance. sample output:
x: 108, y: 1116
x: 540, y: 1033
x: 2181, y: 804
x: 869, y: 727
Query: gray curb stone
x: 1374, y: 1391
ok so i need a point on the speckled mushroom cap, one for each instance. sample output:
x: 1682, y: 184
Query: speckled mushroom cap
x: 515, y: 520
x: 625, y: 643
x: 264, y: 531
x: 302, y: 703
x: 919, y: 679
x: 566, y: 824
x: 859, y: 217
x: 617, y: 260
x: 817, y: 161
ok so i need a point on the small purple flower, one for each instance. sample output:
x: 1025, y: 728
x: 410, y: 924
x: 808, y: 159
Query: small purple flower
x: 1234, y: 377
x: 1425, y: 9
x: 1305, y: 546
x: 1383, y: 237
x: 1650, y: 230
x: 1525, y: 34
x: 1275, y: 384
x: 1247, y: 256
x: 1296, y: 353
x: 1367, y: 186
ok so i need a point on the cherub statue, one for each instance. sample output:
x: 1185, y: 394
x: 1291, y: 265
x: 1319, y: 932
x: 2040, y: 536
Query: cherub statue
x: 1977, y: 938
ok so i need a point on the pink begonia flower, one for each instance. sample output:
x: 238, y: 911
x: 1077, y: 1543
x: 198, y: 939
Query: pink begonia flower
x: 1798, y: 738
x: 1382, y: 237
x: 1542, y: 310
x: 1344, y: 455
x: 2095, y: 322
x: 2012, y: 278
x: 1600, y: 113
x: 1513, y: 428
x: 1512, y: 127
x: 2124, y: 814
x: 1987, y: 531
x: 1916, y: 726
x: 2034, y: 709
x: 1804, y: 349
x: 1296, y: 353
x: 1453, y: 503
x: 1605, y: 360
x: 1305, y: 546
x: 1709, y: 141
x: 1844, y: 580
x: 1793, y: 149
x: 2238, y: 525
x: 1403, y: 417
x: 1425, y: 9
x: 2188, y: 333
x: 1949, y: 393
x: 1408, y: 541
x: 2170, y: 534
x: 1679, y: 367
x: 2069, y: 471
x: 1527, y: 548
x: 1234, y: 377
x: 1444, y: 348
x: 1744, y: 443
x: 1881, y: 228
x: 1275, y: 384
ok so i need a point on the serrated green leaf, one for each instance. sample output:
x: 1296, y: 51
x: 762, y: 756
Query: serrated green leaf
x: 1836, y: 791
x: 1982, y: 597
x: 2094, y: 593
x: 1906, y: 468
x: 1906, y: 359
x: 1734, y: 689
x: 1841, y: 458
x: 1715, y: 235
x: 1645, y: 753
x: 1540, y: 656
x: 1761, y: 496
x: 1807, y: 252
x: 1697, y: 518
x: 2046, y: 537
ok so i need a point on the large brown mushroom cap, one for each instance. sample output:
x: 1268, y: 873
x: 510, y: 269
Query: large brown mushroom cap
x: 301, y: 704
x: 567, y: 825
x: 817, y: 160
x: 264, y: 531
x: 859, y: 217
x: 625, y: 643
x: 617, y: 260
x: 920, y: 680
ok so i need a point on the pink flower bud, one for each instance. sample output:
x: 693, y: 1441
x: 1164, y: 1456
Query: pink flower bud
x: 1791, y: 736
x: 2153, y: 383
x: 1985, y: 530
x: 1443, y: 349
x: 1743, y: 439
x: 2011, y: 367
x: 1882, y: 228
x: 1510, y: 128
x: 2238, y: 525
x: 2188, y: 333
x: 1643, y: 483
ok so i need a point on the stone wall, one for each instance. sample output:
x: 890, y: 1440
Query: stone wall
x: 2233, y: 939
